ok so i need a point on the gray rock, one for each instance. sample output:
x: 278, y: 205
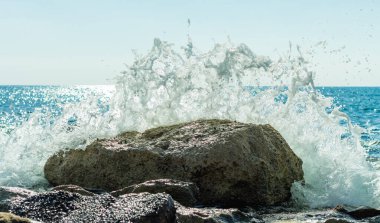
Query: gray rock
x: 298, y: 215
x: 334, y: 220
x: 10, y: 195
x: 62, y: 206
x: 358, y: 212
x: 373, y: 219
x: 185, y: 193
x: 232, y: 163
x: 73, y: 189
x: 214, y: 215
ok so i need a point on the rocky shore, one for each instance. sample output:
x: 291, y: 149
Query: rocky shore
x: 203, y: 172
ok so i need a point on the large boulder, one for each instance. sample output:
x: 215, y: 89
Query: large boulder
x: 63, y: 206
x: 232, y: 163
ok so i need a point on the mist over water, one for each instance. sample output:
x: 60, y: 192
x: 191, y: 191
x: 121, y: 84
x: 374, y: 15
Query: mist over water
x: 168, y: 86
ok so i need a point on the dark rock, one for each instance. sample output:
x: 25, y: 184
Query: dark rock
x: 333, y: 220
x: 11, y: 218
x: 185, y: 193
x: 48, y: 207
x: 73, y: 189
x: 232, y: 163
x: 373, y: 219
x: 62, y: 206
x: 358, y: 212
x: 142, y: 207
x: 214, y: 215
x: 303, y: 214
x: 12, y: 194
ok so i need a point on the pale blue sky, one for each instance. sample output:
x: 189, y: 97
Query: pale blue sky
x: 87, y: 42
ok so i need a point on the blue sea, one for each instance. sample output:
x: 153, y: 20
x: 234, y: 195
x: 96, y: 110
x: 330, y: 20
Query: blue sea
x: 17, y: 103
x: 362, y: 105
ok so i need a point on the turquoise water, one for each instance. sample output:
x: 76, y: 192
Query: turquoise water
x: 17, y: 103
x: 362, y: 104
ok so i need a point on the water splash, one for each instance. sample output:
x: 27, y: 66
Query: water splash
x: 228, y: 82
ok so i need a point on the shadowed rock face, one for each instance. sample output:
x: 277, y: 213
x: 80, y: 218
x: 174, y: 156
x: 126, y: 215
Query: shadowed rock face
x: 10, y: 195
x: 71, y: 207
x: 358, y: 212
x: 185, y: 193
x: 214, y: 215
x: 73, y: 189
x: 232, y: 163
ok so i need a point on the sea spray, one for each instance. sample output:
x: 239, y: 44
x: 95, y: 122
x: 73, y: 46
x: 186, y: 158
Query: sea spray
x: 26, y: 141
x: 167, y: 86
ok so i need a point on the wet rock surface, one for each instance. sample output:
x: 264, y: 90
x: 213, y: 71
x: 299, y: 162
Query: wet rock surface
x: 287, y: 214
x: 334, y: 220
x: 232, y: 163
x: 185, y: 193
x: 214, y: 215
x: 294, y: 215
x: 73, y: 189
x: 10, y: 195
x: 48, y: 207
x: 358, y: 212
x: 62, y: 206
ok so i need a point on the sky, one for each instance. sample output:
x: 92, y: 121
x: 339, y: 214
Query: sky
x: 76, y: 42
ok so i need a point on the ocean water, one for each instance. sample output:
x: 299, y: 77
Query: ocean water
x: 361, y: 104
x: 334, y: 130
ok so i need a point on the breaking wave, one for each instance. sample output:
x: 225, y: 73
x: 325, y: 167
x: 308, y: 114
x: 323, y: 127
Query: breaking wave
x: 168, y: 86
